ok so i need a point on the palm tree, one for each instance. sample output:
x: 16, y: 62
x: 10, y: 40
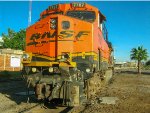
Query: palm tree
x: 139, y: 54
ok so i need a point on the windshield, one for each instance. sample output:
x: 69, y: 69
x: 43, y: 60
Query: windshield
x: 83, y: 15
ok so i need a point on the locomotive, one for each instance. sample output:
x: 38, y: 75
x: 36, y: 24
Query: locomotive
x: 68, y: 55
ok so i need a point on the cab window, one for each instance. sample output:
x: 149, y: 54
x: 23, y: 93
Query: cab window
x: 83, y: 15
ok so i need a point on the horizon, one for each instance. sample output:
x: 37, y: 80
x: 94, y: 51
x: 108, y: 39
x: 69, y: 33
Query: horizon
x: 128, y: 26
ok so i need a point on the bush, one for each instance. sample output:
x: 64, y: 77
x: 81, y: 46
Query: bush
x: 146, y: 67
x: 148, y: 63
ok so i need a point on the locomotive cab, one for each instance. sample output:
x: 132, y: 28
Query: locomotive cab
x: 66, y: 54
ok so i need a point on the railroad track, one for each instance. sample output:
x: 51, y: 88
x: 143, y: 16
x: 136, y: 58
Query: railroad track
x: 27, y: 110
x: 41, y: 108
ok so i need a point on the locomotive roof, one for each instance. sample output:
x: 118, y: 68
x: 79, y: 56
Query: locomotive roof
x: 70, y: 7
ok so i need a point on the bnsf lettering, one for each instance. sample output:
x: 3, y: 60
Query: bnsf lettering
x: 35, y: 36
x: 63, y: 34
x: 66, y: 34
x: 42, y: 36
x: 81, y: 33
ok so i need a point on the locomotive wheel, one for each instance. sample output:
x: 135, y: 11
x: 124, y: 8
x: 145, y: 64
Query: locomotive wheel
x: 92, y: 85
x: 96, y: 82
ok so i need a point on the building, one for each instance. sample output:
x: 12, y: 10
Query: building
x: 125, y: 64
x: 10, y: 60
x: 1, y: 42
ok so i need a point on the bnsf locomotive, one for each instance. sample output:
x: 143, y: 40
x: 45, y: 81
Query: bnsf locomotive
x: 68, y: 55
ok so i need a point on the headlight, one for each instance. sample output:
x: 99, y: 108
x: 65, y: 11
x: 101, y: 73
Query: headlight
x: 25, y: 56
x: 62, y: 57
x: 88, y: 70
x: 53, y: 21
x: 51, y: 69
x: 53, y: 26
x: 33, y: 69
x: 65, y: 24
x: 65, y: 55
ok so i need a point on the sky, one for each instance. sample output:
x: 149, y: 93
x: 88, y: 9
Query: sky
x: 128, y: 23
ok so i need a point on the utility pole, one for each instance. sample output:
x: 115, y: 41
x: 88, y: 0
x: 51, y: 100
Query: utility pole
x: 30, y: 13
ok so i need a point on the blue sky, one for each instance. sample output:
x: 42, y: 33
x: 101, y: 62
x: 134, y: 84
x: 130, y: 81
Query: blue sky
x: 128, y: 23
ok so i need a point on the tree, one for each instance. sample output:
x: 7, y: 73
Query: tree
x: 139, y: 54
x: 14, y: 40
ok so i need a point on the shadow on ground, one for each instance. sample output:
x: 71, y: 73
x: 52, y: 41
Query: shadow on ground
x: 54, y: 103
x: 12, y: 83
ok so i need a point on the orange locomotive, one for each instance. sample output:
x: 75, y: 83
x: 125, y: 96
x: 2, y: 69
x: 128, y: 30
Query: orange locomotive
x: 66, y: 52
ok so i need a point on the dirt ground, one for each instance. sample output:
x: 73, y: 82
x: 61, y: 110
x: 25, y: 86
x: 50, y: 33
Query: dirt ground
x: 132, y: 91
